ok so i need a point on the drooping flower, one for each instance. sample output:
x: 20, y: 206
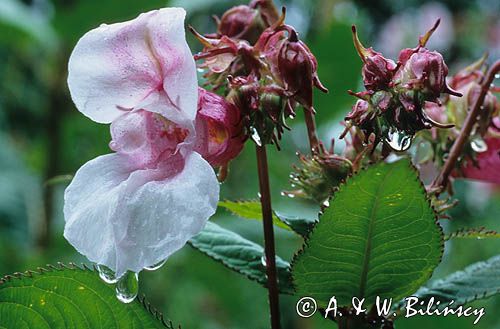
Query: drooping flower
x: 133, y: 208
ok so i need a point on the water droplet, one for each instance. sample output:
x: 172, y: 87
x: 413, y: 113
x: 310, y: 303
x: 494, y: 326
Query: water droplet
x: 255, y: 136
x: 326, y: 203
x: 288, y: 194
x: 263, y: 260
x: 497, y: 76
x: 155, y: 266
x: 106, y: 274
x: 127, y: 287
x: 398, y: 140
x: 478, y: 145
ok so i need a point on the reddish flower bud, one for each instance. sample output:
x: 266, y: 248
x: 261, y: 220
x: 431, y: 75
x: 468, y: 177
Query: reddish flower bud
x: 220, y: 136
x: 425, y: 71
x: 377, y: 70
x: 422, y: 70
x: 242, y: 22
x: 296, y: 67
x: 359, y: 113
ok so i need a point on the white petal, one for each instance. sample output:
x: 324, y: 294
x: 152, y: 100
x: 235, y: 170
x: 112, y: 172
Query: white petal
x: 128, y: 220
x: 118, y: 66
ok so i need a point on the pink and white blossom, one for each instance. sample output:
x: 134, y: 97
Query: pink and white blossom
x: 135, y: 207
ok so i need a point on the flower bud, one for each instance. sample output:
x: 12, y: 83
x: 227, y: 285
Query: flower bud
x: 424, y: 71
x: 360, y: 113
x: 297, y: 69
x: 242, y: 22
x: 377, y: 70
x: 219, y: 128
x: 319, y: 175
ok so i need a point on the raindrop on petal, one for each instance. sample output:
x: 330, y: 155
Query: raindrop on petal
x: 155, y: 266
x: 478, y: 145
x: 106, y: 274
x: 127, y: 287
x: 399, y: 141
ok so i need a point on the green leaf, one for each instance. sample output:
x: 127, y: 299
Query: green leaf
x: 253, y: 210
x: 249, y: 210
x: 299, y: 225
x: 477, y: 281
x: 240, y: 255
x: 69, y: 297
x: 473, y: 233
x: 379, y: 237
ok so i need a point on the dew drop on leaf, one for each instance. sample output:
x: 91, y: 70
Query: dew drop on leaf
x: 127, y: 287
x: 106, y: 274
x: 155, y: 266
x: 398, y: 140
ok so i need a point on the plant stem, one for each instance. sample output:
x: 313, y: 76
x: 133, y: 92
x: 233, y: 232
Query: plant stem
x: 311, y: 130
x: 270, y: 254
x: 441, y: 181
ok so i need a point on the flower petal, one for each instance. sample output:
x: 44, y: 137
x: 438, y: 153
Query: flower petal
x: 116, y: 67
x: 128, y: 219
x: 488, y: 169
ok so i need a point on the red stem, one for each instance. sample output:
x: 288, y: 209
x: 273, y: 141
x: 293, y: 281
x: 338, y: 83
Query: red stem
x: 441, y: 181
x: 270, y: 253
x: 311, y: 130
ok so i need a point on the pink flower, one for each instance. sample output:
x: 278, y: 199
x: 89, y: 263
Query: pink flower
x: 488, y: 163
x: 219, y: 129
x: 133, y: 208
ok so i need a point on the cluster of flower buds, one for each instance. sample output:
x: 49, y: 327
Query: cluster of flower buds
x: 261, y: 66
x: 392, y: 107
x: 318, y: 175
x: 480, y: 158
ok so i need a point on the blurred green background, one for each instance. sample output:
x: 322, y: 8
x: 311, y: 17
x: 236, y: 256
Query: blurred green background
x: 43, y: 136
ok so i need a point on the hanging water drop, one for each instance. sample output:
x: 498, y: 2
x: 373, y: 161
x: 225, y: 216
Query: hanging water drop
x: 106, y: 274
x: 127, y: 287
x: 398, y: 140
x: 288, y: 194
x: 497, y: 76
x: 255, y: 136
x: 478, y: 145
x: 155, y: 266
x: 263, y: 260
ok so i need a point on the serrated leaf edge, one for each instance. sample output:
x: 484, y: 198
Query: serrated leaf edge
x: 345, y: 182
x: 83, y: 267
